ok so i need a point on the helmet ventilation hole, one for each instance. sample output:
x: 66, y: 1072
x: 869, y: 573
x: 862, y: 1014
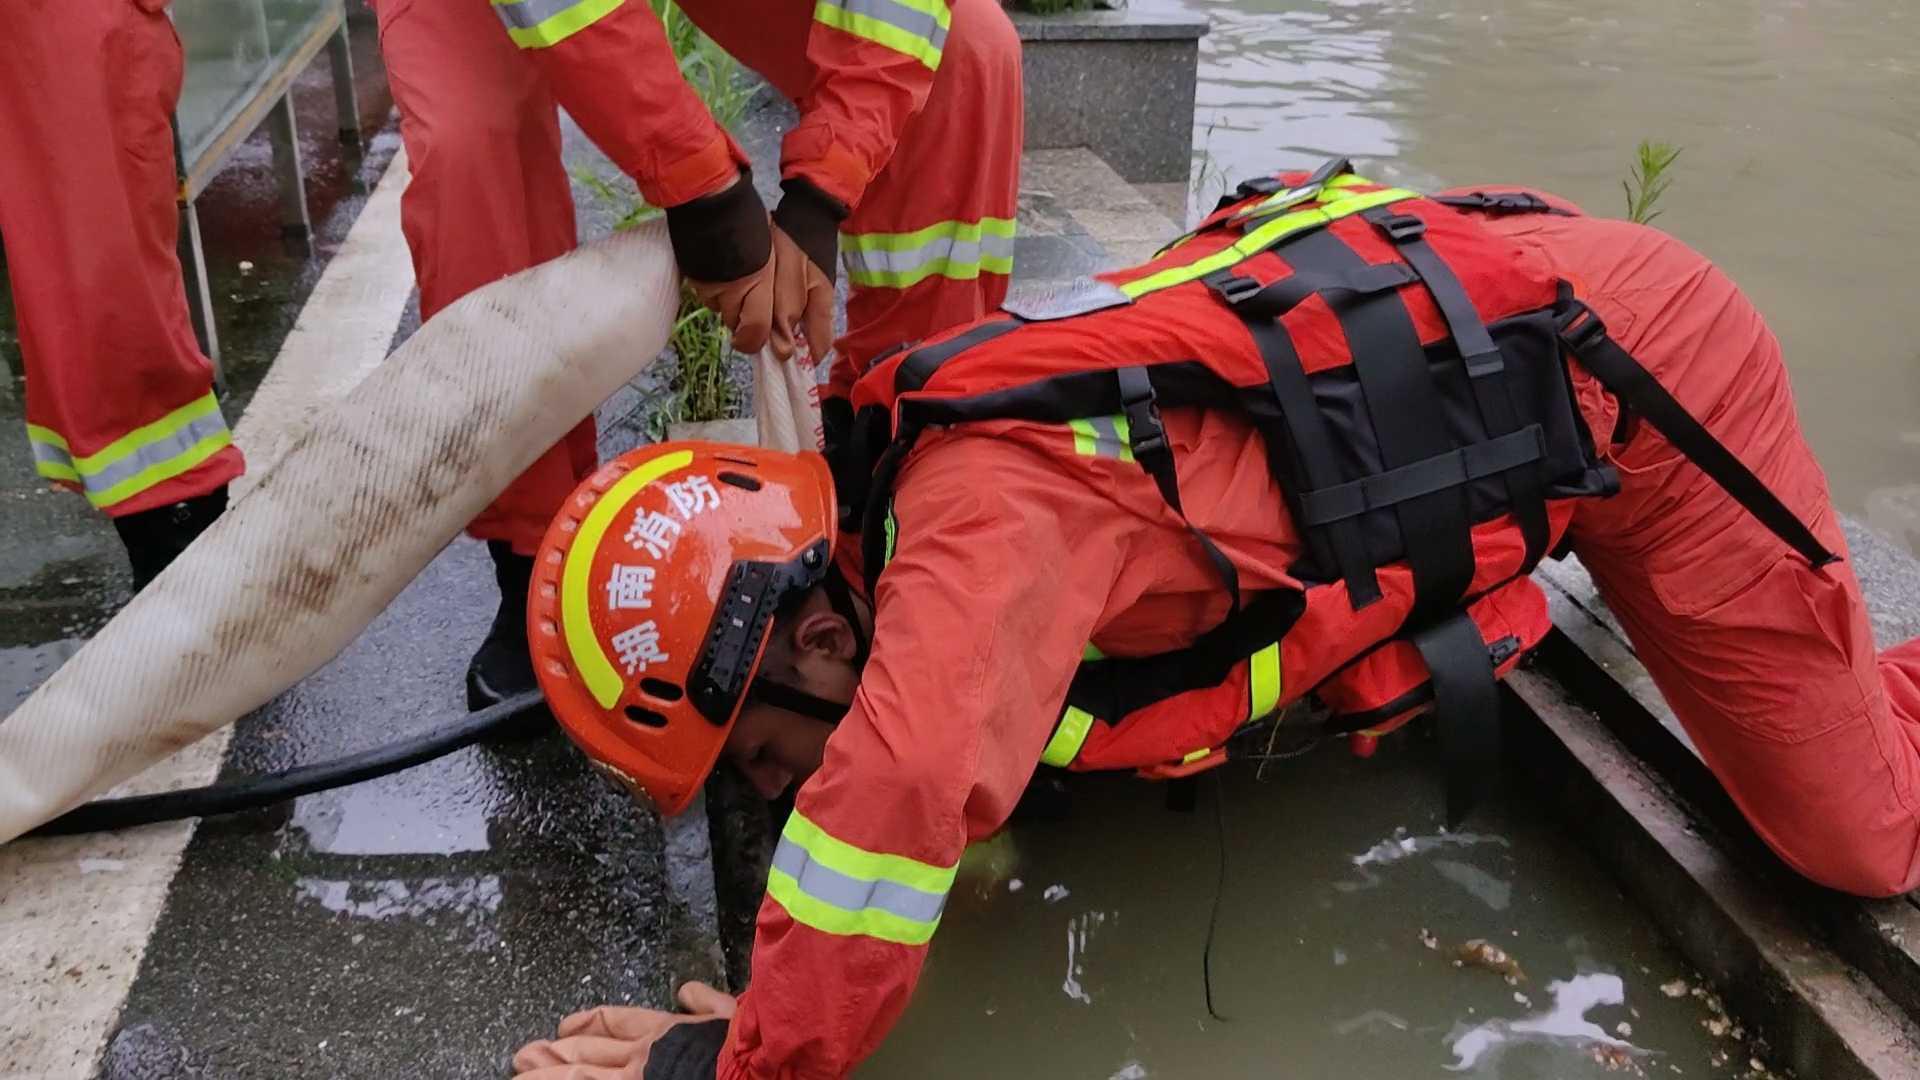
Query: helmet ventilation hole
x: 740, y: 480
x: 661, y: 689
x: 645, y: 717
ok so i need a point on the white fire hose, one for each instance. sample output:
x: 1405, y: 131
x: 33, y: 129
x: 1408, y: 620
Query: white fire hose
x: 328, y: 534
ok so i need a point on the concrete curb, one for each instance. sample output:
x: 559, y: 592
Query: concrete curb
x: 1816, y: 1014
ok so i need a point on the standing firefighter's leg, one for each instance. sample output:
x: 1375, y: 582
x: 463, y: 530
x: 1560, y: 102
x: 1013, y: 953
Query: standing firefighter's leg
x: 120, y: 402
x: 489, y: 196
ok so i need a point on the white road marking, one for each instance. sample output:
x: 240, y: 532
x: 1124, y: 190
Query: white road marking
x: 76, y: 912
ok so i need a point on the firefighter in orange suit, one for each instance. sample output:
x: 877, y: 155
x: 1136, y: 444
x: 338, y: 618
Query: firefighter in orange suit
x: 120, y: 402
x: 1312, y: 448
x: 905, y: 162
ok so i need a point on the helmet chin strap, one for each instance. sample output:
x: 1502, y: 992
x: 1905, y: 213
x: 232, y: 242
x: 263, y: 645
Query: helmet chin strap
x: 796, y: 701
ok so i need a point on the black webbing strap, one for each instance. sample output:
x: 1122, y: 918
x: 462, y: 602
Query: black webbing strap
x: 873, y: 528
x: 1501, y: 202
x: 1313, y: 449
x: 1486, y: 369
x: 1114, y: 687
x: 1424, y: 477
x: 1466, y: 708
x: 1147, y: 438
x: 1407, y: 426
x: 1272, y: 301
x: 919, y: 365
x: 1583, y: 332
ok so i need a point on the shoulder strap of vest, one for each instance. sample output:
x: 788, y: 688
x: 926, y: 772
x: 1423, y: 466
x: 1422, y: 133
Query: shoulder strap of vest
x: 1583, y: 333
x: 1486, y: 370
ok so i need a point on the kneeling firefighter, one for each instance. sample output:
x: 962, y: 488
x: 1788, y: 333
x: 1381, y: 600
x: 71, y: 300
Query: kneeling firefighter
x: 1312, y: 447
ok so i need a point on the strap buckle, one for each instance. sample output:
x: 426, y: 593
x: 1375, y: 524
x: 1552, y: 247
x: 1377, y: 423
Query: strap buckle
x: 1401, y: 228
x: 1235, y: 289
x: 1579, y: 327
x: 1146, y: 435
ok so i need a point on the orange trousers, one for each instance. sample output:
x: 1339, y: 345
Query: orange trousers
x: 1769, y: 664
x: 489, y: 195
x: 120, y: 401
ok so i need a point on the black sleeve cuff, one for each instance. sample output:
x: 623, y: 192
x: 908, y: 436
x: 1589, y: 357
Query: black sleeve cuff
x: 812, y: 218
x: 687, y: 1052
x: 723, y: 236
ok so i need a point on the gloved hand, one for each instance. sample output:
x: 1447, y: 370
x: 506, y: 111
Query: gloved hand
x: 806, y: 241
x: 724, y: 245
x: 614, y: 1042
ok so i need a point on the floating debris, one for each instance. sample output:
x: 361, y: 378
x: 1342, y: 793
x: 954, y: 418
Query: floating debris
x: 1482, y: 953
x: 1717, y: 1026
x: 1623, y: 1029
x: 1564, y: 1023
x: 1016, y: 885
x: 1053, y: 894
x: 1427, y: 939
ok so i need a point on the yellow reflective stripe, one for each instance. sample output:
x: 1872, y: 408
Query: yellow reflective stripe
x: 547, y: 30
x: 132, y: 441
x: 148, y: 455
x: 1196, y: 755
x: 1068, y: 737
x: 1258, y: 239
x: 831, y: 851
x: 1103, y: 436
x: 915, y: 28
x: 1263, y: 682
x: 583, y: 645
x: 959, y: 250
x: 1084, y: 437
x: 161, y: 472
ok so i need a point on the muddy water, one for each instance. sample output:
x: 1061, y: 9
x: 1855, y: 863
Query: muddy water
x: 1800, y: 122
x: 1074, y: 949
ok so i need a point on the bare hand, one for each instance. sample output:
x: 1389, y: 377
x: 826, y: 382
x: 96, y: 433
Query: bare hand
x: 612, y: 1041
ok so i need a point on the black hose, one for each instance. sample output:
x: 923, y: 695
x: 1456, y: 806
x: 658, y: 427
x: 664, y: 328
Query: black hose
x: 254, y: 792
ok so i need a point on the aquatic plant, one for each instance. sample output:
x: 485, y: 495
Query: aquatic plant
x: 1647, y: 180
x: 702, y: 385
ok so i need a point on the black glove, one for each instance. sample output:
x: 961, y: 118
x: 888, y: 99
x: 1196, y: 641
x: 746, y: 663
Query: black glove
x: 812, y: 219
x: 723, y: 236
x: 687, y: 1052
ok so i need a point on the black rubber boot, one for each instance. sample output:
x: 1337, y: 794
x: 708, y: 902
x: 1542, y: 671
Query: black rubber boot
x: 154, y: 538
x: 502, y: 667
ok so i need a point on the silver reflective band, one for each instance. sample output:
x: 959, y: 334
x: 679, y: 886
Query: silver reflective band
x: 1108, y: 441
x: 830, y: 886
x: 526, y: 14
x: 157, y: 452
x: 921, y: 24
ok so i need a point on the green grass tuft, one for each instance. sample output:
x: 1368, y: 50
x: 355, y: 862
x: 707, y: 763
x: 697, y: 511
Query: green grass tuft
x: 1648, y: 180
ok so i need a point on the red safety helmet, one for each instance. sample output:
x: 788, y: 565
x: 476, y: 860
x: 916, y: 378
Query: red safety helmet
x: 653, y: 593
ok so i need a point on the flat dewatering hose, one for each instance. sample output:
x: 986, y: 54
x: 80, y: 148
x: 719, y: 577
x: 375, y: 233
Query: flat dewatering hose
x: 256, y: 792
